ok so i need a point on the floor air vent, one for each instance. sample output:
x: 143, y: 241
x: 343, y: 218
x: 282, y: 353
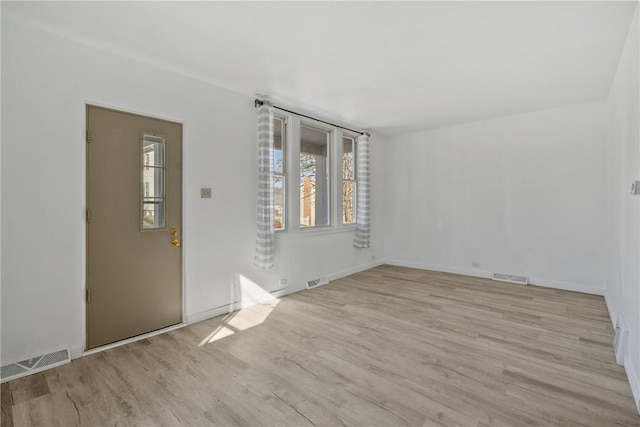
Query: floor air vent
x: 33, y: 365
x: 317, y: 282
x: 504, y: 277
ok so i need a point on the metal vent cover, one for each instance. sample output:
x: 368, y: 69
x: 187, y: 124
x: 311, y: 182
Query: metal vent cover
x: 33, y: 365
x: 511, y: 278
x: 12, y: 370
x: 317, y: 282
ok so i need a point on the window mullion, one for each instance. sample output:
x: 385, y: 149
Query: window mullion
x: 337, y: 173
x: 293, y: 167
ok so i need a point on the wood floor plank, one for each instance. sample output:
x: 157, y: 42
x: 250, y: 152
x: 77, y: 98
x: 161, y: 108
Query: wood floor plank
x: 389, y: 346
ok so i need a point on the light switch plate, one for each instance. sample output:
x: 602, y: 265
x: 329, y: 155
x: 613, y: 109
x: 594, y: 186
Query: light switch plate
x: 635, y: 188
x: 205, y: 193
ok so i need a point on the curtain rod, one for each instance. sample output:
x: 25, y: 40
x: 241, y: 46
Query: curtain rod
x: 259, y: 102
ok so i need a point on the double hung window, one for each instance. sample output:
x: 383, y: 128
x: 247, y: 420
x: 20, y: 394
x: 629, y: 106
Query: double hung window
x: 324, y: 160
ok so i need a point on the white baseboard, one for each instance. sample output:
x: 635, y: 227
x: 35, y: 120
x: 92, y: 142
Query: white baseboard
x: 354, y: 270
x: 612, y: 312
x: 228, y: 308
x: 634, y: 381
x: 556, y: 284
x: 76, y: 351
x: 237, y: 305
x: 440, y: 268
x: 567, y: 286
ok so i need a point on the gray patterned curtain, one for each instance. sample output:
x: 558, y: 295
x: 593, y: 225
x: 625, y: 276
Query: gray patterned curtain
x: 363, y: 203
x: 265, y: 239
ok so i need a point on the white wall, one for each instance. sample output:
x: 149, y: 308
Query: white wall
x: 46, y: 81
x: 521, y: 194
x: 623, y: 210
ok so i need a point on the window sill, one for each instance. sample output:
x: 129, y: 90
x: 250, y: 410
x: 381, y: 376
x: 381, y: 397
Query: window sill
x: 316, y: 231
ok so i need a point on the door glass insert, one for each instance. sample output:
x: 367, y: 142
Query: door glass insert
x: 153, y: 197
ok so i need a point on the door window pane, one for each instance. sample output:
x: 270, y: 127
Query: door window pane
x: 314, y: 177
x: 152, y: 213
x: 153, y: 150
x: 153, y: 195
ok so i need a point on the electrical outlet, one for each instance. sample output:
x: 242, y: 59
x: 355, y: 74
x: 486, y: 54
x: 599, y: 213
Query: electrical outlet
x: 475, y: 264
x: 283, y: 281
x: 205, y: 193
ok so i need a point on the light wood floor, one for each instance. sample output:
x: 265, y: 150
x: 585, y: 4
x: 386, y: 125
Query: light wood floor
x: 386, y: 347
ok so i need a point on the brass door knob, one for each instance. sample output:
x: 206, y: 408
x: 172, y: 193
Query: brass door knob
x: 176, y: 243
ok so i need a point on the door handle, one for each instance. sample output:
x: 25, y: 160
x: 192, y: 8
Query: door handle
x: 176, y: 243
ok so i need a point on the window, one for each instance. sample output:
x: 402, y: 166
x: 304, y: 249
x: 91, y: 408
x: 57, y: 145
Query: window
x: 314, y: 177
x: 348, y: 180
x: 279, y: 175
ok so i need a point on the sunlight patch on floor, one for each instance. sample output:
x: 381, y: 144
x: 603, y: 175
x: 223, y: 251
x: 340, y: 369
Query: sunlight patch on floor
x: 257, y: 304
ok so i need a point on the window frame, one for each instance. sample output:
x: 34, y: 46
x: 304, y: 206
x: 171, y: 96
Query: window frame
x: 292, y: 204
x: 285, y: 160
x: 330, y: 180
x: 354, y: 180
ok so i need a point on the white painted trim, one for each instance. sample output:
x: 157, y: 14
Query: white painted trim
x: 133, y: 111
x: 320, y: 230
x: 133, y: 339
x: 440, y: 268
x: 634, y: 382
x: 237, y: 305
x: 76, y: 351
x: 354, y: 270
x: 567, y: 286
x: 612, y: 312
x: 536, y: 281
x: 210, y: 314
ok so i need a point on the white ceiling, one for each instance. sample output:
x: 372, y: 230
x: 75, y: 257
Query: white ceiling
x: 388, y: 66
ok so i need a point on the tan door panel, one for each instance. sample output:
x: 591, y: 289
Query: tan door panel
x: 133, y: 271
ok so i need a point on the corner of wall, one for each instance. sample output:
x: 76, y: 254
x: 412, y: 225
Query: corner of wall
x: 440, y: 268
x: 354, y: 270
x: 610, y: 309
x: 76, y: 351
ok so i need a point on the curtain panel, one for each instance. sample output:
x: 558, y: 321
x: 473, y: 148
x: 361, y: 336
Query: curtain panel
x: 363, y: 202
x: 265, y: 238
